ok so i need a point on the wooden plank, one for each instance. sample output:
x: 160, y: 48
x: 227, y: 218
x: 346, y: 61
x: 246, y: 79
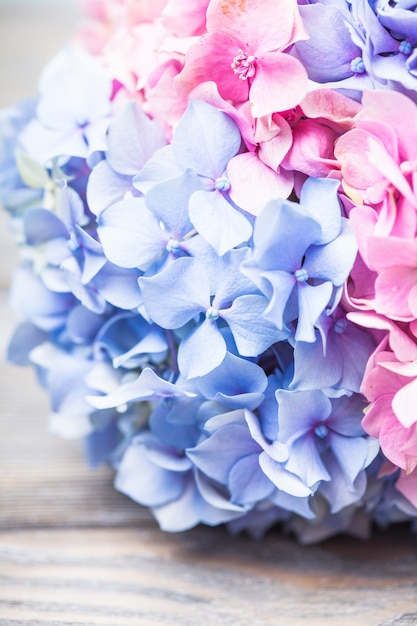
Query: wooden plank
x: 124, y: 577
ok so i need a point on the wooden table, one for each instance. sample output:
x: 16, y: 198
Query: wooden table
x: 75, y: 552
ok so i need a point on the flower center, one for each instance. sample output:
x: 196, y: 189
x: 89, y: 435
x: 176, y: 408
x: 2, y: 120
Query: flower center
x: 244, y: 65
x: 408, y: 167
x: 405, y: 47
x: 173, y: 246
x: 222, y: 183
x: 212, y: 314
x: 357, y: 65
x: 321, y: 431
x: 301, y: 275
x: 339, y: 326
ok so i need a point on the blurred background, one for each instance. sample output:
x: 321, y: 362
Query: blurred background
x: 31, y: 33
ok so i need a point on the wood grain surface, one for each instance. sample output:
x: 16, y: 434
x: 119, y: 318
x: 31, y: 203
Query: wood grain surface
x: 74, y: 552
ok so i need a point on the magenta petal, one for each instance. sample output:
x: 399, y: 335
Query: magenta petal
x: 210, y: 59
x: 269, y: 95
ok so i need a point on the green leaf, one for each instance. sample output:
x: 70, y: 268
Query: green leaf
x: 32, y: 174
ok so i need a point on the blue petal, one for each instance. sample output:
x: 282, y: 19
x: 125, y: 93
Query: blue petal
x: 313, y: 370
x: 282, y: 234
x: 205, y: 139
x: 168, y: 201
x: 319, y: 196
x: 146, y: 387
x: 252, y: 333
x: 41, y: 225
x: 105, y: 187
x: 230, y: 281
x: 237, y: 383
x: 350, y: 452
x: 144, y: 481
x: 133, y: 138
x: 202, y: 350
x: 130, y: 234
x: 305, y: 461
x: 282, y: 478
x: 161, y: 166
x: 299, y: 411
x: 334, y: 260
x: 247, y: 483
x: 177, y: 293
x: 312, y: 301
x: 217, y: 221
x: 119, y: 286
x: 216, y: 455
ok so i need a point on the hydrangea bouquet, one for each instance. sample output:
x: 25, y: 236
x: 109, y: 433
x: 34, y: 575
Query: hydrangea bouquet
x: 215, y: 206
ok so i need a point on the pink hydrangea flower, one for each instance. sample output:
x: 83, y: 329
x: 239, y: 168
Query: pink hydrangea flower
x: 322, y: 117
x: 384, y: 386
x: 243, y: 52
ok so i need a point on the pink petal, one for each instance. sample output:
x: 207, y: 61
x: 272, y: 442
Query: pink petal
x: 395, y: 443
x: 272, y: 150
x: 269, y: 95
x: 331, y: 105
x: 263, y: 25
x: 185, y: 18
x: 312, y: 149
x: 407, y: 485
x: 351, y: 150
x: 396, y: 110
x: 403, y: 346
x: 392, y: 251
x: 253, y: 183
x: 363, y: 220
x: 404, y: 404
x: 210, y: 59
x: 392, y: 289
x: 385, y: 163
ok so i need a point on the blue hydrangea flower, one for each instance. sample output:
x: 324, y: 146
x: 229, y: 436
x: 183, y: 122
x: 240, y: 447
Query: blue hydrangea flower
x: 325, y: 442
x: 337, y: 358
x: 236, y: 454
x: 235, y: 302
x: 204, y: 142
x: 73, y: 111
x: 147, y: 233
x: 302, y: 255
x: 132, y: 139
x: 15, y: 194
x: 161, y: 477
x: 399, y: 18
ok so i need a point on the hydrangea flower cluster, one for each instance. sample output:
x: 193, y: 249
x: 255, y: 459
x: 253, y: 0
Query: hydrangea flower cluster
x: 215, y: 204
